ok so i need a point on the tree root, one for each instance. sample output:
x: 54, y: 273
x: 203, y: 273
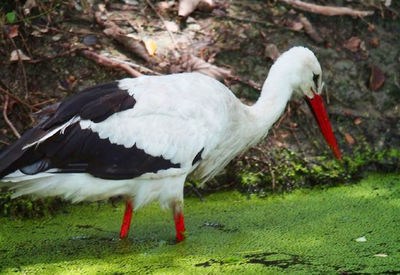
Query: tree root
x: 326, y: 10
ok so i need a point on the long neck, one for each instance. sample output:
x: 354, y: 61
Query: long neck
x: 275, y: 94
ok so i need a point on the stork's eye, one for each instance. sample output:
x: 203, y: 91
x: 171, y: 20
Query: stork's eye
x: 315, y: 79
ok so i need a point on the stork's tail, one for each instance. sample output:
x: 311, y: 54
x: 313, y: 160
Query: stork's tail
x: 15, y: 157
x: 20, y: 166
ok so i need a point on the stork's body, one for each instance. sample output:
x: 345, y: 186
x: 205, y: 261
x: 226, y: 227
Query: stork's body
x: 144, y: 137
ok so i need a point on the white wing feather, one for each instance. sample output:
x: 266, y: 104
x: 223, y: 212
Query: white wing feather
x: 175, y: 116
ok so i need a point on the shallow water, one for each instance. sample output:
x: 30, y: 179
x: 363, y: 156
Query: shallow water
x: 307, y: 231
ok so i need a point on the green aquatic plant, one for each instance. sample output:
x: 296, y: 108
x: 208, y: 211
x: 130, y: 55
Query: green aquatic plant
x: 309, y: 231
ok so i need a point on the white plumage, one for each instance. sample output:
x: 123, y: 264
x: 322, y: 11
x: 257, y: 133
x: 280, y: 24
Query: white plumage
x: 177, y: 117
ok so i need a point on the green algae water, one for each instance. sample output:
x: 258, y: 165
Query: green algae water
x: 347, y: 229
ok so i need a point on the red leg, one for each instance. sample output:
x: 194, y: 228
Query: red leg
x: 126, y: 222
x: 179, y: 226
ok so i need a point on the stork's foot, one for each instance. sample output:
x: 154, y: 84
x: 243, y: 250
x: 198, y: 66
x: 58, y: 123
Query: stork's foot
x: 179, y: 226
x: 126, y: 222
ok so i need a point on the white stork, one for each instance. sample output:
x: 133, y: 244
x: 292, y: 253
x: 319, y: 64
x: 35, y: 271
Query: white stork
x: 143, y: 137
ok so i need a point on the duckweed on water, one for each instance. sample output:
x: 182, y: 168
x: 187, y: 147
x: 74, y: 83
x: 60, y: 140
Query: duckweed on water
x: 307, y: 231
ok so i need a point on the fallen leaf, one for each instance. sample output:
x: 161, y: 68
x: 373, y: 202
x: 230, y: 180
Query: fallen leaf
x: 71, y: 78
x: 14, y: 56
x: 376, y: 79
x: 131, y: 42
x: 374, y: 42
x: 279, y: 144
x: 131, y: 2
x: 136, y: 46
x: 361, y: 239
x: 163, y: 64
x: 350, y: 140
x: 380, y: 255
x: 77, y: 6
x: 293, y: 125
x: 328, y: 44
x: 56, y: 37
x: 102, y: 8
x: 36, y: 33
x: 12, y: 31
x: 353, y: 44
x: 371, y: 27
x: 272, y: 52
x: 44, y: 30
x: 151, y: 46
x: 285, y: 135
x: 363, y: 47
x: 358, y: 121
x: 296, y: 26
x: 29, y: 4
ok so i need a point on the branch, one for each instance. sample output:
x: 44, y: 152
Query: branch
x: 115, y: 32
x: 107, y: 62
x: 9, y: 123
x: 309, y: 29
x: 16, y: 98
x: 326, y: 10
x: 250, y: 83
x: 141, y: 68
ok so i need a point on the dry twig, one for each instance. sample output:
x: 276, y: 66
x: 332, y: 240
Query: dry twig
x: 22, y: 67
x: 16, y: 98
x: 326, y: 10
x: 9, y: 123
x: 141, y: 68
x: 250, y: 83
x: 115, y: 32
x: 66, y: 53
x: 4, y: 142
x: 165, y: 25
x: 309, y: 29
x: 45, y: 102
x: 105, y: 61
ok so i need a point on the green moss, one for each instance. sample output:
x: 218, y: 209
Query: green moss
x: 286, y: 169
x: 25, y: 207
x: 307, y: 231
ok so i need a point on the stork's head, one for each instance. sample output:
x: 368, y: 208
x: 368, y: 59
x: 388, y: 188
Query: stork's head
x: 305, y: 76
x: 302, y: 70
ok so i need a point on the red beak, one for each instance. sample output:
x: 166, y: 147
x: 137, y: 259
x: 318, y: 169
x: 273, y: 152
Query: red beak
x: 317, y: 106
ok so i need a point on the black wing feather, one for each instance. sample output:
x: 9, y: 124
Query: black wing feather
x: 81, y: 150
x: 76, y: 104
x: 103, y: 107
